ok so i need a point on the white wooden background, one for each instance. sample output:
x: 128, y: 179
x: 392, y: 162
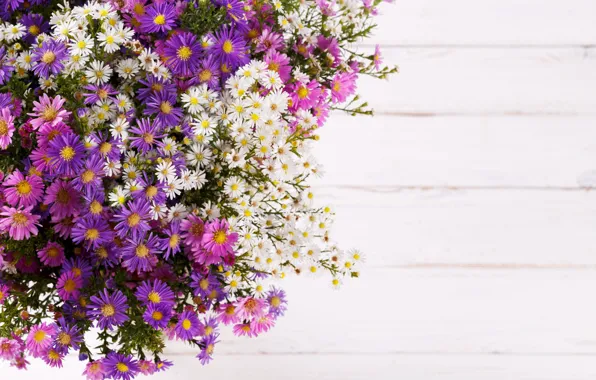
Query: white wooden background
x: 470, y: 192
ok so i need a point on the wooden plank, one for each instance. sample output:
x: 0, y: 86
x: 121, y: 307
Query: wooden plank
x: 538, y: 152
x: 503, y: 312
x: 488, y: 22
x: 516, y: 228
x: 481, y: 81
x: 353, y: 367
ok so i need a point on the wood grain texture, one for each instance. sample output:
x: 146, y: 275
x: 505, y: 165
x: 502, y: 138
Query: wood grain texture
x: 485, y: 81
x: 502, y: 152
x: 488, y: 22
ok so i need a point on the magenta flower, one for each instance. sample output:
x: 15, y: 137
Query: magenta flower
x: 4, y: 293
x: 192, y: 229
x: 48, y: 110
x: 63, y: 198
x: 227, y: 314
x: 52, y: 254
x: 48, y: 132
x: 217, y: 239
x: 95, y: 370
x: 280, y: 63
x: 342, y: 86
x: 108, y: 309
x: 53, y: 357
x: 305, y: 95
x: 147, y: 367
x: 40, y: 338
x: 6, y: 127
x: 20, y: 223
x: 69, y: 286
x: 22, y: 191
x: 244, y: 329
x: 262, y: 324
x: 9, y: 348
x: 377, y: 58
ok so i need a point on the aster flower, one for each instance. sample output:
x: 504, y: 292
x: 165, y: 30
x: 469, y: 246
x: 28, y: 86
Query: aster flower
x: 78, y: 266
x: 193, y: 229
x: 158, y: 316
x: 147, y: 367
x: 207, y: 73
x: 218, y: 239
x: 262, y: 324
x: 62, y: 198
x: 188, y: 325
x: 152, y: 86
x: 229, y: 47
x: 305, y: 95
x: 67, y: 336
x: 145, y: 135
x: 162, y: 105
x: 22, y: 191
x: 139, y: 255
x: 280, y: 63
x: 269, y: 40
x: 120, y: 367
x: 155, y: 293
x: 133, y: 219
x: 98, y: 93
x: 48, y: 110
x: 40, y: 338
x: 6, y: 127
x: 227, y: 314
x: 276, y: 299
x: 49, y: 57
x: 48, y: 132
x: 9, y: 348
x: 20, y: 223
x: 35, y: 25
x: 170, y: 245
x: 92, y: 232
x: 90, y: 175
x: 163, y: 365
x: 95, y: 370
x: 244, y: 329
x: 208, y: 347
x: 52, y: 254
x: 53, y: 357
x: 66, y: 153
x: 158, y: 17
x: 342, y: 86
x: 109, y: 310
x: 69, y: 286
x: 377, y: 58
x: 182, y: 52
x: 250, y: 307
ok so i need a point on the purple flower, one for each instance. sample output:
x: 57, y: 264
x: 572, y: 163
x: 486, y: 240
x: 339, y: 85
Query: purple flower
x: 62, y: 198
x: 139, y: 255
x: 9, y: 348
x: 91, y: 231
x: 182, y: 53
x: 53, y: 357
x: 35, y: 25
x: 158, y: 316
x: 78, y: 266
x: 208, y: 346
x: 49, y: 58
x: 158, y: 17
x: 147, y: 134
x: 6, y: 68
x: 229, y: 47
x: 68, y: 336
x: 155, y: 292
x: 66, y: 153
x: 153, y: 85
x: 4, y: 293
x: 171, y: 244
x: 276, y: 299
x: 193, y: 229
x: 188, y: 325
x: 133, y: 219
x: 108, y: 309
x: 120, y: 367
x: 207, y: 73
x: 162, y: 105
x: 69, y: 286
x: 90, y: 175
x: 98, y: 93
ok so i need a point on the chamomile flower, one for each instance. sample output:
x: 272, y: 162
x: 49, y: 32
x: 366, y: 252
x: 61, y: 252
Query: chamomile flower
x: 98, y: 72
x: 165, y: 171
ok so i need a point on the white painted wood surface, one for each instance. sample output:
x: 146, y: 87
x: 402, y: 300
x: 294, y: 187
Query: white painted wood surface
x: 469, y: 196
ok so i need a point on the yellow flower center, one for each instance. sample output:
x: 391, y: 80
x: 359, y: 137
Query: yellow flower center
x: 53, y: 355
x: 165, y: 107
x: 70, y: 285
x: 122, y: 367
x: 49, y: 114
x: 159, y: 19
x: 184, y: 53
x: 227, y: 47
x: 275, y: 301
x: 142, y: 251
x: 53, y: 252
x: 91, y: 234
x: 157, y: 315
x: 34, y: 30
x: 133, y: 219
x: 24, y: 187
x: 87, y: 176
x: 186, y: 324
x: 67, y: 153
x: 204, y: 284
x: 3, y: 128
x: 64, y: 339
x: 48, y: 57
x: 154, y: 297
x: 205, y: 75
x: 39, y: 336
x: 151, y: 191
x: 174, y: 240
x: 220, y: 237
x: 108, y: 310
x: 95, y: 207
x: 302, y: 92
x: 109, y: 39
x: 20, y: 219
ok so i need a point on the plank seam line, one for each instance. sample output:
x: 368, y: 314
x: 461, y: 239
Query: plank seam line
x: 474, y: 46
x: 490, y: 266
x: 394, y: 353
x: 397, y: 188
x: 428, y: 114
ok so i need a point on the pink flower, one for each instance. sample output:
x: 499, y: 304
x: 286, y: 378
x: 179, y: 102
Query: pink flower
x: 9, y: 348
x: 244, y: 329
x: 342, y: 86
x: 69, y: 285
x: 6, y: 128
x: 192, y: 232
x: 217, y: 239
x: 227, y: 314
x: 95, y: 370
x: 48, y: 110
x: 40, y: 338
x: 52, y: 254
x: 377, y: 57
x: 262, y: 324
x: 305, y: 95
x: 23, y: 191
x: 250, y: 307
x: 20, y: 223
x: 4, y: 292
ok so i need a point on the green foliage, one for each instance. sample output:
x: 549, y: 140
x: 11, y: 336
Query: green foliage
x: 201, y: 17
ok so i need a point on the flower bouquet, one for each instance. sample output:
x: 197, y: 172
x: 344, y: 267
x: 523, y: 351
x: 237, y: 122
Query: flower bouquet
x: 154, y: 159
